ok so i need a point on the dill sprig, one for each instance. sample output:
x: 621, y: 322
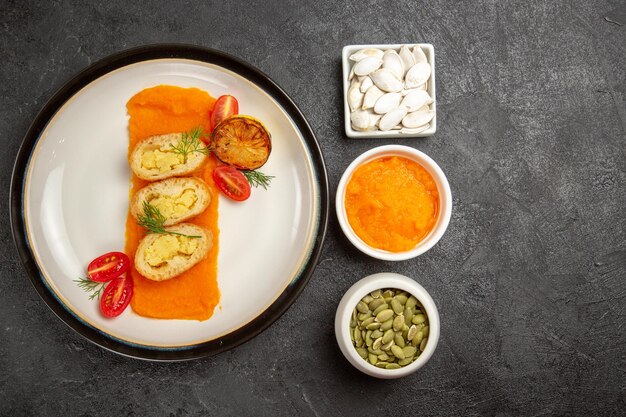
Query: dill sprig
x: 95, y: 288
x: 152, y: 220
x: 257, y: 178
x: 191, y: 142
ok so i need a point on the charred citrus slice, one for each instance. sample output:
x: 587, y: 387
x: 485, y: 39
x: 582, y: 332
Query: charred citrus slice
x: 242, y: 142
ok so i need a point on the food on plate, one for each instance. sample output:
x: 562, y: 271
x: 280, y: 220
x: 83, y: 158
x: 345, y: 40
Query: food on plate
x: 389, y: 328
x: 166, y: 255
x: 392, y: 203
x: 193, y: 294
x: 224, y: 107
x: 107, y: 279
x: 242, y: 142
x: 116, y: 296
x: 163, y: 156
x: 232, y: 183
x: 388, y: 90
x: 108, y: 266
x: 177, y: 199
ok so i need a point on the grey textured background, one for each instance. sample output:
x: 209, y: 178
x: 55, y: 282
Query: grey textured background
x: 530, y: 278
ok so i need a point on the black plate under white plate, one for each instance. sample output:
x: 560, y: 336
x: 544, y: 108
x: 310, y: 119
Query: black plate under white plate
x: 69, y: 199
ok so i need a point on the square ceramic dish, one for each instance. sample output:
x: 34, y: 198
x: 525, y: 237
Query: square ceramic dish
x: 347, y: 64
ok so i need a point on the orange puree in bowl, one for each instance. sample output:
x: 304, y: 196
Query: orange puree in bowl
x: 392, y: 203
x: 193, y: 294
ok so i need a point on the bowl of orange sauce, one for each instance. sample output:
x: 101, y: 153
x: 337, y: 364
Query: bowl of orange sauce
x: 393, y: 203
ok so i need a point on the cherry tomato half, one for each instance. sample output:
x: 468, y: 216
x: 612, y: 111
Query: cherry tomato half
x: 231, y: 182
x: 116, y: 296
x: 108, y: 266
x: 224, y: 107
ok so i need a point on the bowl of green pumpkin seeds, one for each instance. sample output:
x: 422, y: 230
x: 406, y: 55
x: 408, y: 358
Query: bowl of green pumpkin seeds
x: 387, y: 325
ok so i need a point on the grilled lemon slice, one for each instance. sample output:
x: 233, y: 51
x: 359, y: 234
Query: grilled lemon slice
x: 242, y: 142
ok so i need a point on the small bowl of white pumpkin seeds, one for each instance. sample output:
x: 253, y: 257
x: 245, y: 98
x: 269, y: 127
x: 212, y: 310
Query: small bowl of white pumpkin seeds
x: 387, y: 325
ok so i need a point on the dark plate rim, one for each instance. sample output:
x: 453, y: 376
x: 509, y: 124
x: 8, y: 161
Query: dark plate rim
x: 99, y: 69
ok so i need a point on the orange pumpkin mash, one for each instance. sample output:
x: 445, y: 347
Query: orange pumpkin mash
x: 392, y: 203
x: 193, y: 294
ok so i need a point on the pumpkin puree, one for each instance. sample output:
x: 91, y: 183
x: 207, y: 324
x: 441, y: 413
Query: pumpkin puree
x: 392, y: 203
x: 194, y: 294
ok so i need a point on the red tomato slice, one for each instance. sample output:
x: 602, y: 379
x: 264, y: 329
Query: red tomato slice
x: 108, y: 266
x: 224, y: 107
x: 116, y: 296
x: 231, y: 182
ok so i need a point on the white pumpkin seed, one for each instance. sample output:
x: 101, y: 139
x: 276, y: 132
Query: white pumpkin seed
x: 368, y: 65
x: 364, y: 53
x: 366, y: 84
x: 417, y: 119
x: 416, y: 130
x: 360, y: 119
x: 419, y: 54
x: 417, y: 75
x: 387, y: 103
x: 393, y: 62
x: 416, y: 99
x: 386, y: 81
x: 408, y: 59
x: 392, y: 118
x: 355, y: 97
x: 371, y: 96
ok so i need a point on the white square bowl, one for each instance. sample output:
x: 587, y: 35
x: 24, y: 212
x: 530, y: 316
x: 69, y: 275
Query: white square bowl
x: 347, y: 64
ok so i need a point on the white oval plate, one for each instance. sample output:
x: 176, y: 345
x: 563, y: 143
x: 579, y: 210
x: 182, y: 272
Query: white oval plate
x: 70, y: 199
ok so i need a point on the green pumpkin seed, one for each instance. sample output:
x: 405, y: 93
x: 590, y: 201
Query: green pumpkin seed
x: 388, y: 293
x: 372, y: 358
x: 388, y: 336
x: 376, y: 334
x: 399, y: 340
x: 357, y: 334
x: 396, y: 306
x: 359, y: 343
x: 364, y: 316
x: 373, y: 326
x: 376, y: 294
x: 387, y: 325
x: 411, y: 302
x: 405, y: 361
x: 387, y: 346
x: 367, y: 299
x: 405, y: 334
x: 419, y: 319
x: 425, y: 330
x: 422, y: 345
x: 388, y: 299
x: 367, y: 321
x: 408, y: 315
x: 352, y: 323
x: 411, y: 333
x: 409, y: 351
x: 401, y: 298
x: 368, y: 338
x: 383, y: 357
x: 397, y: 352
x: 384, y: 315
x: 362, y: 307
x: 362, y: 352
x: 377, y: 302
x: 391, y: 359
x: 382, y: 307
x: 382, y: 364
x: 375, y: 351
x: 377, y: 343
x: 398, y: 322
x: 393, y: 366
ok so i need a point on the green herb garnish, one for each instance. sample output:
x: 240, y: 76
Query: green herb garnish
x: 95, y: 288
x: 190, y: 143
x: 152, y: 220
x: 257, y: 178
